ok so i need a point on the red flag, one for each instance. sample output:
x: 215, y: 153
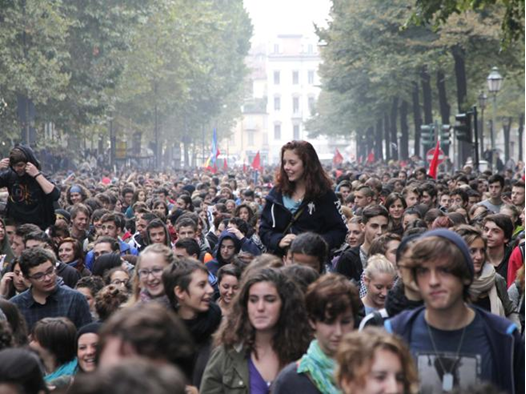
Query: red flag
x: 256, y: 163
x: 244, y: 167
x: 338, y: 158
x: 433, y: 167
x: 225, y: 165
x: 370, y: 157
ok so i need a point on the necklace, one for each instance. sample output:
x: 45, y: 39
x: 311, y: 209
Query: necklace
x: 447, y: 379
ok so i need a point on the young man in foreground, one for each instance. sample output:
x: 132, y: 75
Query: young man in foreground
x: 456, y: 344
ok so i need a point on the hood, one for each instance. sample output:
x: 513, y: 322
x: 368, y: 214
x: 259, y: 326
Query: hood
x: 226, y: 235
x: 28, y: 152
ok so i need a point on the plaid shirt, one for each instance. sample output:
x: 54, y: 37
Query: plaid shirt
x: 63, y: 302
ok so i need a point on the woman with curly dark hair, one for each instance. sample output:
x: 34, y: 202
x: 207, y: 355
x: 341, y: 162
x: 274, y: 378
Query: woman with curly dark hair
x: 267, y: 329
x: 302, y: 200
x: 70, y: 252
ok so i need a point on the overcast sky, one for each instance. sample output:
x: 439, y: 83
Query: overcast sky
x: 272, y: 17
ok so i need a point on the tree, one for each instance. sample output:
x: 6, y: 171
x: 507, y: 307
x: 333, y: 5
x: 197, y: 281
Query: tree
x: 439, y: 11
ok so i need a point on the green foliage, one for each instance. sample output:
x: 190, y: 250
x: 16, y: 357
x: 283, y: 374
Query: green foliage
x: 371, y: 56
x: 169, y: 65
x: 439, y: 11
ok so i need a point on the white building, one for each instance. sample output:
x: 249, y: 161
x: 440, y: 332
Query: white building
x: 285, y: 74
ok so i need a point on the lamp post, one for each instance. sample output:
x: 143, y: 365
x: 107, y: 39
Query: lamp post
x: 494, y: 84
x: 482, y: 99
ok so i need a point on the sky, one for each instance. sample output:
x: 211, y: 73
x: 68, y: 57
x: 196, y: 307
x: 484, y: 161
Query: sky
x: 272, y: 17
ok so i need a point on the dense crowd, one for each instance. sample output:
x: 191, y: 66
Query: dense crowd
x: 358, y: 279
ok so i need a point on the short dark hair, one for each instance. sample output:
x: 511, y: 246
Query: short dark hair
x: 34, y: 257
x: 330, y: 296
x: 24, y: 229
x: 372, y: 211
x: 116, y: 218
x: 180, y: 274
x: 109, y: 240
x: 311, y: 244
x: 503, y: 222
x: 190, y: 245
x: 496, y: 178
x: 39, y: 236
x: 379, y: 245
x: 58, y: 336
x: 126, y: 190
x: 429, y: 188
x: 98, y: 214
x: 241, y: 224
x: 185, y: 222
x: 462, y: 193
x: 413, y: 211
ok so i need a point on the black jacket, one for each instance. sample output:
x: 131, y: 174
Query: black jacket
x: 350, y: 264
x: 322, y: 216
x: 27, y: 201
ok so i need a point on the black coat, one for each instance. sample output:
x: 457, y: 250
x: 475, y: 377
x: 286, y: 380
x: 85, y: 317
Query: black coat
x: 322, y: 216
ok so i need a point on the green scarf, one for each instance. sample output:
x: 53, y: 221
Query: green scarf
x: 320, y: 369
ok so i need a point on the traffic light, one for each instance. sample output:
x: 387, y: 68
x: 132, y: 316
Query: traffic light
x: 427, y: 134
x: 463, y: 127
x: 445, y: 133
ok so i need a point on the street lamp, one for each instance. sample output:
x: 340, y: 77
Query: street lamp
x: 482, y: 99
x: 494, y: 85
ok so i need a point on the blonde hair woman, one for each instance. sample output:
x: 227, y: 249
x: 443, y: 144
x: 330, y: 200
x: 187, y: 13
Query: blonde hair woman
x: 378, y: 279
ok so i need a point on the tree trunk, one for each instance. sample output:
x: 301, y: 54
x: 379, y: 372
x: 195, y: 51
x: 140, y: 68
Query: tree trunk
x: 378, y: 151
x: 426, y: 91
x: 459, y: 54
x: 394, y: 133
x: 521, y: 132
x: 404, y: 130
x: 445, y: 109
x: 507, y: 129
x: 370, y: 141
x: 358, y: 145
x: 417, y: 117
x: 387, y: 137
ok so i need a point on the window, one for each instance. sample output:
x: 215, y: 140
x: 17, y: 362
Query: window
x: 311, y: 77
x: 276, y: 77
x: 277, y: 103
x: 277, y: 131
x: 311, y: 104
x: 296, y: 132
x: 250, y: 134
x: 276, y: 48
x: 295, y: 105
x: 310, y: 48
x: 295, y: 77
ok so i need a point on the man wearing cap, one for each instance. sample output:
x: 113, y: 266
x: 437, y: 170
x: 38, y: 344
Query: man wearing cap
x: 31, y: 194
x: 456, y: 345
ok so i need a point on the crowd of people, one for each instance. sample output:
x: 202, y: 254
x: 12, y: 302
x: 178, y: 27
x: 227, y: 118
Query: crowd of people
x: 354, y: 280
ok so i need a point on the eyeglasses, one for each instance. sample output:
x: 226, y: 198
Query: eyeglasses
x: 119, y: 282
x: 41, y: 275
x: 155, y: 272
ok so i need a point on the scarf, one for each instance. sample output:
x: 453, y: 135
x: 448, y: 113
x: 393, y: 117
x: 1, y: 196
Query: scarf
x: 69, y: 369
x: 320, y: 369
x: 485, y: 284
